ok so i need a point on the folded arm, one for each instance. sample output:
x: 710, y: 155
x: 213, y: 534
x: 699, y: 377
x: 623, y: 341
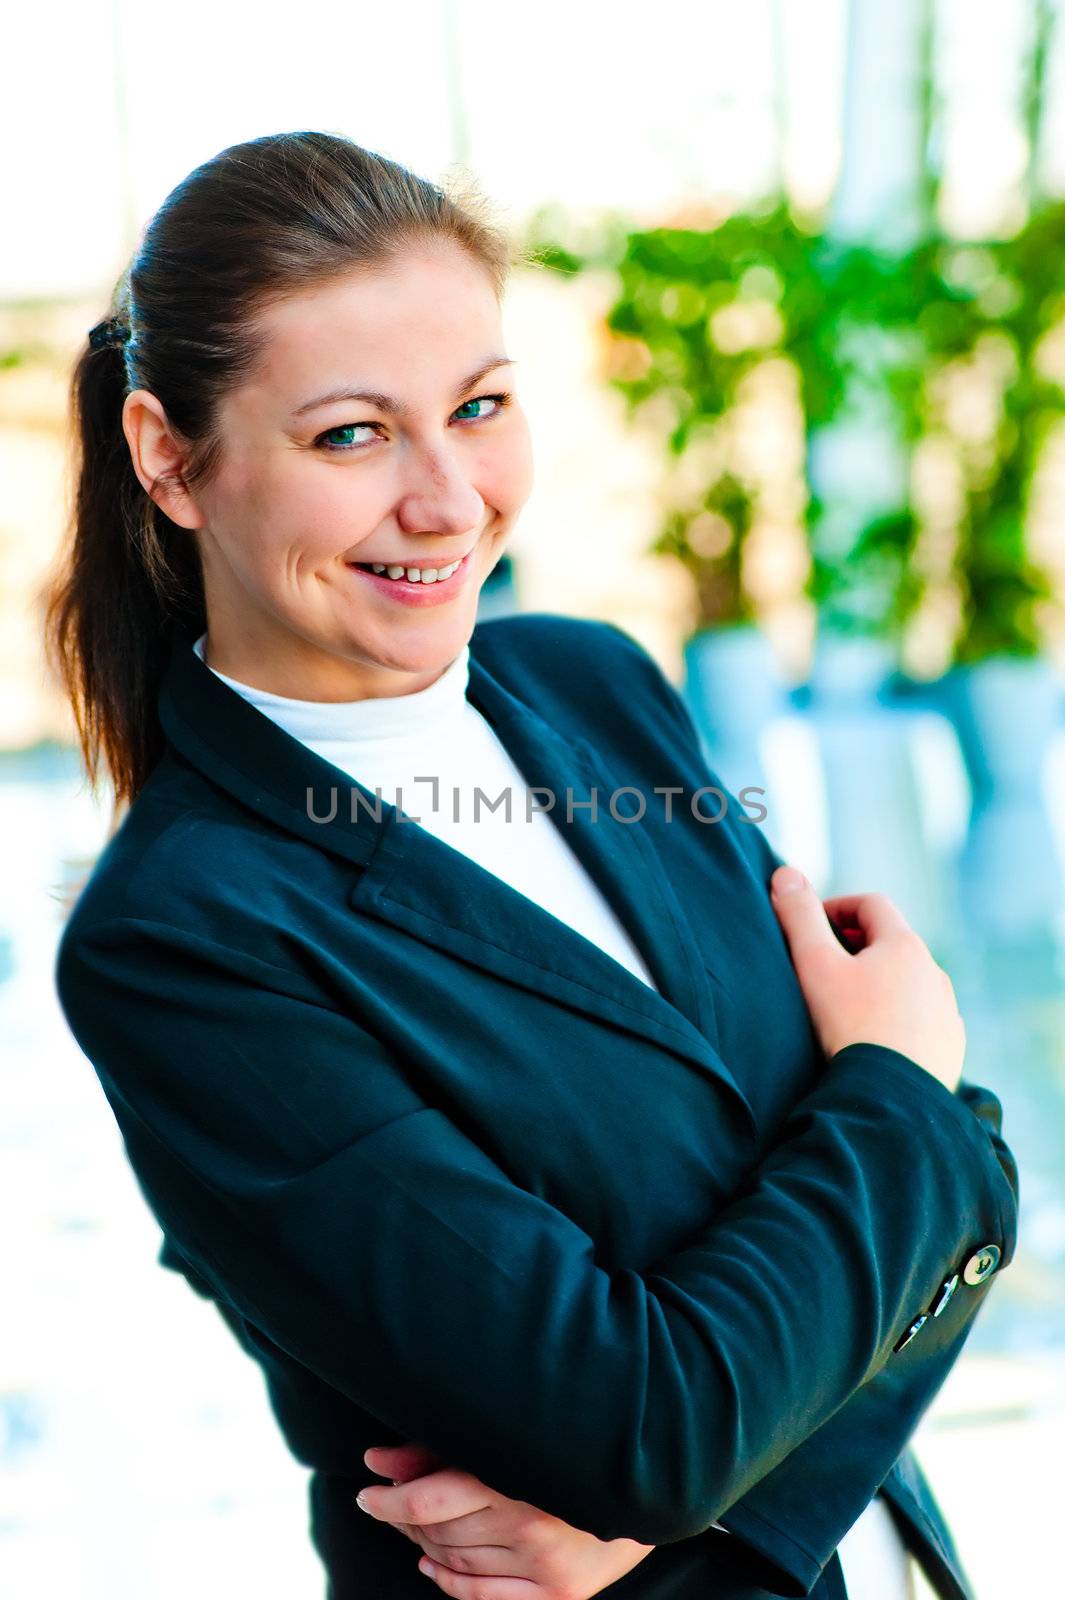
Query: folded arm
x: 368, y: 1236
x: 791, y: 1521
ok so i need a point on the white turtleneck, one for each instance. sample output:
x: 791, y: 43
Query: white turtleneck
x: 387, y: 742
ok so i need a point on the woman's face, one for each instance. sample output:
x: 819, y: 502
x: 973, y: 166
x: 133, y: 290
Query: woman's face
x: 427, y: 465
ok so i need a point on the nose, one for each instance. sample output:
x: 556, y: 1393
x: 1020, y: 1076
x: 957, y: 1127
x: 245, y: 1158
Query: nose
x: 440, y: 497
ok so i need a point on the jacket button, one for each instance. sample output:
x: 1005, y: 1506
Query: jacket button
x: 982, y: 1264
x: 912, y: 1331
x: 943, y: 1297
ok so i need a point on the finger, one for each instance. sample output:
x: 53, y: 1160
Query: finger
x: 402, y: 1461
x: 436, y: 1498
x: 467, y: 1586
x: 842, y: 916
x: 875, y: 914
x: 483, y: 1526
x: 498, y: 1560
x: 802, y: 915
x: 850, y: 938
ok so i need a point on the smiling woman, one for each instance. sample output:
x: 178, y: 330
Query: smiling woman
x: 273, y: 474
x: 296, y: 506
x: 482, y: 1134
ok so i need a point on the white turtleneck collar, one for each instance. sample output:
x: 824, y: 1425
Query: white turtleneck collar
x: 377, y: 718
x: 395, y: 744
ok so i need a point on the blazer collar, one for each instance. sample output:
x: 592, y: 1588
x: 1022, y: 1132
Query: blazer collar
x: 417, y: 882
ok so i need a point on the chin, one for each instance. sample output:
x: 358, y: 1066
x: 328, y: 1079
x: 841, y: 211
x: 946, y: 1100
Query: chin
x: 428, y: 646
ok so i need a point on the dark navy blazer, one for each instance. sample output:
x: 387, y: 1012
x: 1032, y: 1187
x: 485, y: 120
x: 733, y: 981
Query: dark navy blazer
x: 453, y: 1174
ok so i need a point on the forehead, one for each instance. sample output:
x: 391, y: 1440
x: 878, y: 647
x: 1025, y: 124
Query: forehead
x: 422, y: 316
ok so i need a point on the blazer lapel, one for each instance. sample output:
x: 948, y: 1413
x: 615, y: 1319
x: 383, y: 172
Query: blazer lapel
x: 418, y: 883
x: 617, y: 855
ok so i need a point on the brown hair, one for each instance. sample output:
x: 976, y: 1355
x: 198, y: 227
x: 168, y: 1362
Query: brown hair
x: 256, y: 223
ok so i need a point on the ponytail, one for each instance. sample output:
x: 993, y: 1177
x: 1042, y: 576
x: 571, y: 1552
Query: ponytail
x: 131, y: 580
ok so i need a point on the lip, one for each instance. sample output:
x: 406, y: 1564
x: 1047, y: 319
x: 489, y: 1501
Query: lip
x: 406, y: 593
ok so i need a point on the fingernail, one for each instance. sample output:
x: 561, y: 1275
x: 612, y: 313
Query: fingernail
x: 361, y: 1503
x: 788, y: 879
x: 426, y: 1566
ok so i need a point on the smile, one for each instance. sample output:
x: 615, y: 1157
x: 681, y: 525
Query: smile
x: 419, y: 586
x: 424, y: 574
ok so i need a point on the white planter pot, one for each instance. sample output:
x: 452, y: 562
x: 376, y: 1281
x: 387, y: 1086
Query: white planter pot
x: 1004, y: 712
x: 876, y: 834
x: 733, y: 690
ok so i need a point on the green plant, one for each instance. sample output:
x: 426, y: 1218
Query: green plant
x: 986, y: 315
x: 708, y: 541
x: 698, y: 310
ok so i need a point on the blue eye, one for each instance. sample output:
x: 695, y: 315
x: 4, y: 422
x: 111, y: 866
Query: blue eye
x: 348, y: 428
x: 500, y: 400
x: 348, y: 447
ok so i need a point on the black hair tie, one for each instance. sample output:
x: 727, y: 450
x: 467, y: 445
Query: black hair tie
x: 111, y: 331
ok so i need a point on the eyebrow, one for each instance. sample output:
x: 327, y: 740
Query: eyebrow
x: 385, y: 402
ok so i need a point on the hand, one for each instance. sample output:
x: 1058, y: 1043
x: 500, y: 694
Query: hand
x: 885, y: 988
x: 483, y: 1546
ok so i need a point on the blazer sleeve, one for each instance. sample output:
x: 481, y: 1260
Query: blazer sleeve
x: 791, y: 1521
x: 764, y: 859
x: 367, y: 1235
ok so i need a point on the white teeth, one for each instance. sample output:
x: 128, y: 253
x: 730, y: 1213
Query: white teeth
x: 418, y: 574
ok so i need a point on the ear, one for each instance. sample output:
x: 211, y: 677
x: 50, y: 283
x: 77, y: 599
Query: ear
x: 158, y: 456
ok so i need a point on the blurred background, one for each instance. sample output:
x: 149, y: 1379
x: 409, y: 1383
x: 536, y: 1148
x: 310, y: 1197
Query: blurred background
x: 791, y: 338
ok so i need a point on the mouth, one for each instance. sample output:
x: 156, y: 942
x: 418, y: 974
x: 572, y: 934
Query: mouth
x: 415, y: 591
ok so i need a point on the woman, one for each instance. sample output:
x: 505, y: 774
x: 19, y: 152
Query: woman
x: 554, y: 1163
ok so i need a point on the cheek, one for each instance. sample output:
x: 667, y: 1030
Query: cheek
x: 509, y: 476
x: 296, y: 513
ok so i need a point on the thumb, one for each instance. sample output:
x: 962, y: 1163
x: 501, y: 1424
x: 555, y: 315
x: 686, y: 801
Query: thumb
x: 801, y: 914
